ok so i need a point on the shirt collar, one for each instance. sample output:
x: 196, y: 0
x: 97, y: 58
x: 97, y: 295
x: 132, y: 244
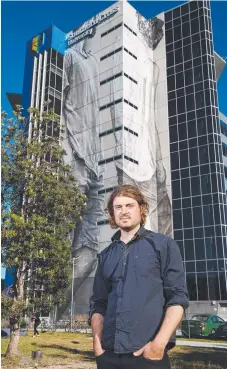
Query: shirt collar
x: 117, y: 235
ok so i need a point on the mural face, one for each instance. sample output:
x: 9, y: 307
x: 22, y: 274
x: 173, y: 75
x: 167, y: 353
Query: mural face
x: 112, y: 134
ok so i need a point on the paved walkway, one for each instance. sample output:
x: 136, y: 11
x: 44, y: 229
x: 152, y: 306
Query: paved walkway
x: 202, y: 344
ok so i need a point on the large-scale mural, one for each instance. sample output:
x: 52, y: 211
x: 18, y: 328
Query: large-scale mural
x: 131, y: 152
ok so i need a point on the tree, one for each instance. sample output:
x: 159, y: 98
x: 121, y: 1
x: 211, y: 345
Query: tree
x: 41, y: 204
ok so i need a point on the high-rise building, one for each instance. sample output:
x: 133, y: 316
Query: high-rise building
x: 138, y: 99
x: 223, y: 121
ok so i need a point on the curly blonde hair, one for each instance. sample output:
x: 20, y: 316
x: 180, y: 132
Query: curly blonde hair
x: 128, y: 191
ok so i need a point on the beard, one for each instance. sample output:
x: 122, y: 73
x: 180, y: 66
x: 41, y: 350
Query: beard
x: 125, y: 227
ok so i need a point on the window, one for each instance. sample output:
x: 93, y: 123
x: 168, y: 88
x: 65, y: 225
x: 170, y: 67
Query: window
x: 129, y: 52
x: 176, y: 190
x: 171, y: 83
x: 196, y: 49
x: 185, y: 187
x: 201, y: 126
x: 111, y: 29
x: 195, y: 186
x: 173, y: 134
x: 185, y: 29
x: 53, y: 56
x: 220, y: 320
x: 203, y: 154
x: 181, y: 118
x: 212, y: 265
x: 201, y: 266
x: 185, y: 18
x: 168, y: 16
x: 60, y: 61
x: 131, y: 131
x: 186, y: 202
x: 191, y: 284
x: 58, y: 83
x: 188, y: 77
x: 177, y: 219
x: 103, y: 222
x: 185, y: 173
x: 199, y: 250
x: 134, y: 33
x: 213, y: 286
x: 130, y: 159
x: 110, y: 104
x: 170, y: 60
x: 52, y: 79
x: 129, y: 103
x: 176, y: 12
x: 198, y: 75
x: 222, y: 279
x: 189, y: 250
x: 193, y: 5
x: 110, y: 78
x: 194, y: 26
x: 187, y: 218
x: 131, y: 79
x: 206, y: 183
x: 57, y: 106
x: 199, y: 99
x: 56, y: 129
x: 106, y: 190
x: 109, y: 131
x: 169, y: 36
x: 110, y: 54
x: 174, y: 161
x: 188, y: 234
x: 210, y: 248
x: 177, y: 33
x: 180, y: 105
x: 197, y: 217
x: 179, y: 80
x: 190, y: 267
x: 193, y: 155
x: 182, y: 132
x: 172, y: 107
x: 202, y: 286
x: 108, y: 160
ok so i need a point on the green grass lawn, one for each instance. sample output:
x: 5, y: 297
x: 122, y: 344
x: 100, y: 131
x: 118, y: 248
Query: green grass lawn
x: 65, y: 348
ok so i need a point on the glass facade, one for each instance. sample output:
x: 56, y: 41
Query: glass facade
x: 198, y: 182
x: 223, y: 121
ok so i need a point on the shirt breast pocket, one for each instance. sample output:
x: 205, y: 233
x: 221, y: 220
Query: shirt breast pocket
x: 147, y: 265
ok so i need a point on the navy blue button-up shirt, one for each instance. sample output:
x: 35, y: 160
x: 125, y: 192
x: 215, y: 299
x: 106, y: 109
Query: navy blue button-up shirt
x: 133, y: 288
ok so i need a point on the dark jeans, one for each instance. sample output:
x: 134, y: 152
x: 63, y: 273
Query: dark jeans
x: 36, y: 332
x: 110, y: 360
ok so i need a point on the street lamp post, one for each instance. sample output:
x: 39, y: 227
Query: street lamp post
x: 72, y: 300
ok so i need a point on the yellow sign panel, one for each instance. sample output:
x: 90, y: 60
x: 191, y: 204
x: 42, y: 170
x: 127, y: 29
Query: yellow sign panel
x: 35, y: 43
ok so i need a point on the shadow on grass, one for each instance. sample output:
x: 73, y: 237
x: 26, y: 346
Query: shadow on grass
x: 87, y: 355
x: 203, y: 357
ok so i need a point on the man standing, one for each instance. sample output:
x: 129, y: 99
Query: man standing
x: 139, y: 292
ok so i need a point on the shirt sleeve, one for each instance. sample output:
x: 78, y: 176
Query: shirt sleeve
x: 98, y: 301
x: 175, y: 289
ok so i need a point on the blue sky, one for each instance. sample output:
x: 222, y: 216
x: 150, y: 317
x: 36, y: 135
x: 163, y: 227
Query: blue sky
x: 22, y: 20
